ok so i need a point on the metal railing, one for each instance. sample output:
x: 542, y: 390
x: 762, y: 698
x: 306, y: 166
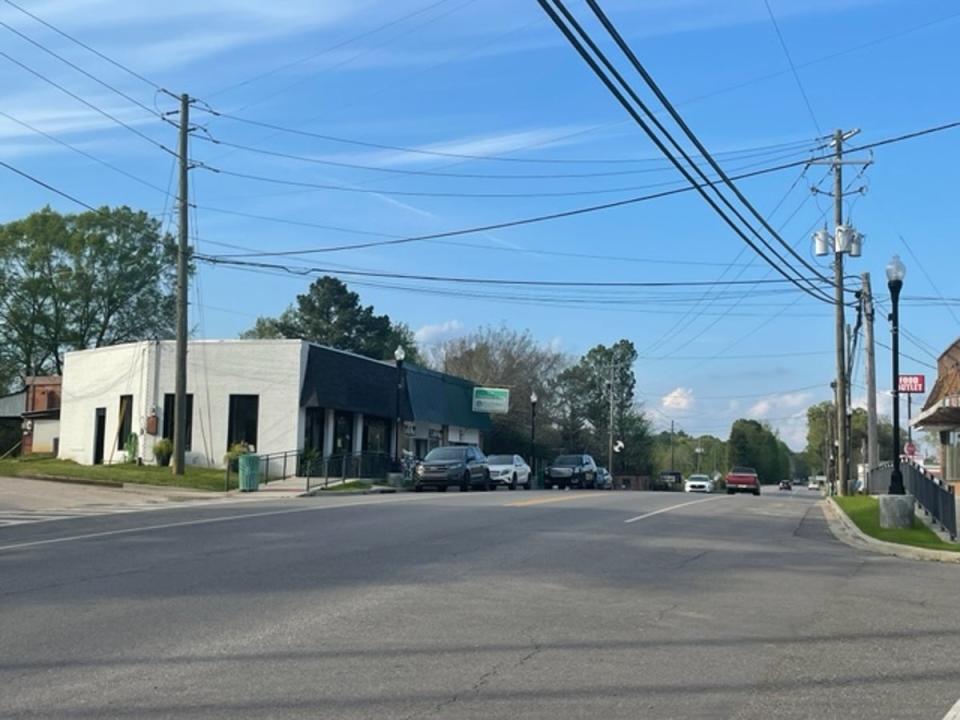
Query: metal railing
x: 934, y: 498
x: 320, y: 471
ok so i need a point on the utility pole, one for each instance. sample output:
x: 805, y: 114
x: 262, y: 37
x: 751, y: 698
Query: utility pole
x: 610, y: 439
x: 839, y: 322
x: 180, y: 404
x: 873, y: 450
x: 672, y: 463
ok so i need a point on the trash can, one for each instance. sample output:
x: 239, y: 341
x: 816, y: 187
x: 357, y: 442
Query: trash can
x: 249, y: 466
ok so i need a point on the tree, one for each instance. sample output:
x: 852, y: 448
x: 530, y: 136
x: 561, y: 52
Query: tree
x: 330, y: 314
x: 501, y: 357
x: 755, y: 445
x: 75, y: 281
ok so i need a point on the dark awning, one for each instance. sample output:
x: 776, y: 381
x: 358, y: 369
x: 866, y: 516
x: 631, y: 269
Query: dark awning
x: 344, y: 381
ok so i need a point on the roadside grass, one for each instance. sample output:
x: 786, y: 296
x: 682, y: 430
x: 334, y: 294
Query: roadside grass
x: 865, y: 513
x: 197, y: 478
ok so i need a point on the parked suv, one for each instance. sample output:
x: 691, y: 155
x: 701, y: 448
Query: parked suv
x: 571, y: 471
x: 443, y: 467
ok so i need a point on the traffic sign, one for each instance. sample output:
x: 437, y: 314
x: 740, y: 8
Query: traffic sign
x: 910, y: 450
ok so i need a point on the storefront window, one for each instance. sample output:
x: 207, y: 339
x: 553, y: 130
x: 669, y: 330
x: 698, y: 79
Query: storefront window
x: 952, y: 460
x: 376, y: 435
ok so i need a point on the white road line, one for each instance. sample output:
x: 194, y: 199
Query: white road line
x: 666, y: 509
x: 202, y: 521
x: 953, y: 713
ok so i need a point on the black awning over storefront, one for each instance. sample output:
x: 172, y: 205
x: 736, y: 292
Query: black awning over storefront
x: 344, y: 381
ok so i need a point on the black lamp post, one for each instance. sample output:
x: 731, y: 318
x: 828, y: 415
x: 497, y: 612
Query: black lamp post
x: 399, y: 355
x: 533, y: 432
x: 895, y: 274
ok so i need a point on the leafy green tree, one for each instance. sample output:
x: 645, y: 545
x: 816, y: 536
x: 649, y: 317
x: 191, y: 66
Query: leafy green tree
x: 75, y: 281
x: 330, y: 314
x: 755, y: 445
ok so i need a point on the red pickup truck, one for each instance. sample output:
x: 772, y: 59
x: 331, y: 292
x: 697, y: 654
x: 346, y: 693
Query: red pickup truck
x: 743, y: 479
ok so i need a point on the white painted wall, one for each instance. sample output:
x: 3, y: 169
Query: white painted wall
x: 44, y: 432
x: 216, y: 369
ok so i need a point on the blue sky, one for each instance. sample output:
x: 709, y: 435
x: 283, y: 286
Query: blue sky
x: 495, y: 78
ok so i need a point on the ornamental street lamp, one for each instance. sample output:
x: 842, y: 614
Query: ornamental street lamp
x: 895, y: 273
x: 399, y: 354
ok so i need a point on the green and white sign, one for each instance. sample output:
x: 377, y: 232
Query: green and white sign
x: 491, y: 400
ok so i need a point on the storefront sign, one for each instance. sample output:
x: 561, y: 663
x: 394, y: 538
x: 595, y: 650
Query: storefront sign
x: 491, y: 400
x: 914, y: 384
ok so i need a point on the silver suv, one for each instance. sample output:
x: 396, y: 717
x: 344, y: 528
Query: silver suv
x: 571, y: 471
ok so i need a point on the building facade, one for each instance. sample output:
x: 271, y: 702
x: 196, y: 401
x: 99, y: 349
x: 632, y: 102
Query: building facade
x: 941, y: 413
x: 273, y: 396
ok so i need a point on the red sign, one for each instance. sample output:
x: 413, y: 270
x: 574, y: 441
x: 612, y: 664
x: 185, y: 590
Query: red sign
x: 914, y: 384
x: 910, y: 450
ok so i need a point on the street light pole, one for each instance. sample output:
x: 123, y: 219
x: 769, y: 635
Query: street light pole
x: 399, y: 356
x: 533, y: 433
x: 895, y: 275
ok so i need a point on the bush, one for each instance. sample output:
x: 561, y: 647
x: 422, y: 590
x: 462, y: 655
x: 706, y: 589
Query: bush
x: 234, y: 453
x: 163, y: 451
x: 130, y: 448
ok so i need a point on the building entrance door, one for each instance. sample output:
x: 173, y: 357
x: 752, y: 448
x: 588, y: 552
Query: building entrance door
x: 99, y: 435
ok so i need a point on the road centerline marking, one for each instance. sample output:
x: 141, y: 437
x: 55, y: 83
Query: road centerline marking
x: 544, y: 501
x: 672, y: 507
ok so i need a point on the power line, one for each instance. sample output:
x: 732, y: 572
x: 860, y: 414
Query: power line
x: 925, y: 363
x: 43, y: 184
x: 79, y: 69
x: 483, y: 281
x: 462, y: 156
x: 82, y: 44
x: 474, y: 175
x: 728, y: 182
x: 562, y: 25
x: 593, y: 208
x: 793, y: 68
x: 84, y: 153
x: 90, y: 105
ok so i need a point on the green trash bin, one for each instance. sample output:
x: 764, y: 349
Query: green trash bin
x: 249, y: 466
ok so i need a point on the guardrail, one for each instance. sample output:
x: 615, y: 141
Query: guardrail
x: 934, y: 498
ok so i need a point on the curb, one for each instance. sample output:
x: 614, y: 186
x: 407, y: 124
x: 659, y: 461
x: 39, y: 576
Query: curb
x: 72, y: 481
x: 346, y: 493
x: 846, y: 531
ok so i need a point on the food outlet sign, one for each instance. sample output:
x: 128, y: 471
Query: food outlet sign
x: 914, y: 384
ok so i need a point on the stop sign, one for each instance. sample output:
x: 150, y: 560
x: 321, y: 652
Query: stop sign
x: 910, y: 449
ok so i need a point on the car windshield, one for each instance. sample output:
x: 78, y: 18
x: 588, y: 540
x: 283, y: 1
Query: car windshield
x: 500, y: 459
x: 698, y: 478
x: 445, y: 454
x: 743, y: 471
x: 568, y: 460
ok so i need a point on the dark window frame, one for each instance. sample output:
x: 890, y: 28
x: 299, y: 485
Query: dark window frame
x: 169, y: 408
x: 124, y: 420
x: 234, y: 433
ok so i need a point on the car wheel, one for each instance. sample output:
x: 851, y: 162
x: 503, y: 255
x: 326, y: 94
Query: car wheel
x: 442, y: 488
x: 756, y: 492
x: 526, y: 485
x: 513, y: 483
x: 465, y: 483
x: 418, y: 488
x: 729, y: 492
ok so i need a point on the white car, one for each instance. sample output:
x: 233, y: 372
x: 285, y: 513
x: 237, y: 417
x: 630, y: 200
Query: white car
x: 698, y: 483
x: 509, y: 470
x: 813, y: 485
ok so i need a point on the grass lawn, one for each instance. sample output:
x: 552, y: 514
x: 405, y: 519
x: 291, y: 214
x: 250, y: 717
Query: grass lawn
x: 196, y: 477
x: 865, y: 513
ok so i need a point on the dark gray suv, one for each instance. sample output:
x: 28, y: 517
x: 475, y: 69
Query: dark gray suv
x: 443, y: 467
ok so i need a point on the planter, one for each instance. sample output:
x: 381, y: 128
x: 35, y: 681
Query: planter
x: 163, y: 460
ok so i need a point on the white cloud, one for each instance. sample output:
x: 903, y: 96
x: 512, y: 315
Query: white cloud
x: 432, y: 334
x: 774, y: 405
x: 678, y: 399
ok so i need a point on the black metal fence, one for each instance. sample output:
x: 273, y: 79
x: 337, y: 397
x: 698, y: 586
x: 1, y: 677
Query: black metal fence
x: 934, y: 498
x: 320, y: 471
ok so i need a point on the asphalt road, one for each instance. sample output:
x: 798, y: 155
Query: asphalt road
x: 482, y: 605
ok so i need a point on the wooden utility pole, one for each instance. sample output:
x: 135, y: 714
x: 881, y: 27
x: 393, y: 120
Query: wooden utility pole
x: 870, y: 368
x: 180, y: 390
x: 839, y: 322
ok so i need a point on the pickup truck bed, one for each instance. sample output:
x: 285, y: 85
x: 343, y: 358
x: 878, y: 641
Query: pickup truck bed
x: 742, y: 482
